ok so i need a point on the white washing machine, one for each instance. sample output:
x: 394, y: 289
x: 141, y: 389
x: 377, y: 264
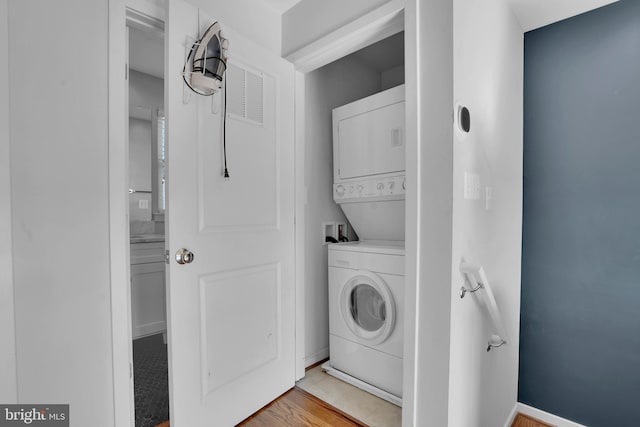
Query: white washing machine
x: 366, y: 316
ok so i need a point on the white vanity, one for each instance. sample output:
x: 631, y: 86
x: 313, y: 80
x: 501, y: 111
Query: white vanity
x: 148, y: 302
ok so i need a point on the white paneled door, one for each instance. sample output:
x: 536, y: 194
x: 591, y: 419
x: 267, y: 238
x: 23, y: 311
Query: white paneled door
x: 231, y: 311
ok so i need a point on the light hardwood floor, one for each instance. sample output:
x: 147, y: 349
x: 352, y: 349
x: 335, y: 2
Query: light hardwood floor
x: 527, y: 421
x: 299, y: 408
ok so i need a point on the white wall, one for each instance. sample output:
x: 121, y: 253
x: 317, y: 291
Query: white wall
x: 429, y: 70
x: 254, y: 19
x: 309, y: 20
x: 140, y: 154
x: 140, y: 159
x: 146, y: 95
x: 8, y: 392
x: 336, y: 84
x: 59, y: 183
x: 392, y: 77
x: 488, y: 70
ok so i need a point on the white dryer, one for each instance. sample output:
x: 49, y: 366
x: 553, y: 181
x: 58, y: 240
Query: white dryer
x: 369, y: 164
x: 366, y: 316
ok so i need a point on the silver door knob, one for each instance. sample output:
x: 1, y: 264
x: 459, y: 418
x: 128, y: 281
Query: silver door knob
x: 184, y: 256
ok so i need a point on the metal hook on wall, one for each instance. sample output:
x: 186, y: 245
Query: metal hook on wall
x: 463, y: 290
x: 475, y: 276
x: 495, y: 342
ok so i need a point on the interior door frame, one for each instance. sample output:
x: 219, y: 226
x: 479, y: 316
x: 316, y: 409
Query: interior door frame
x: 374, y: 26
x: 122, y: 347
x: 121, y: 333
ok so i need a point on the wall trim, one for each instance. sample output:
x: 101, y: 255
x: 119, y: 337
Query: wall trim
x: 148, y: 329
x: 316, y: 357
x: 364, y: 31
x: 121, y: 340
x: 300, y: 221
x: 8, y: 355
x: 544, y: 416
x: 512, y: 415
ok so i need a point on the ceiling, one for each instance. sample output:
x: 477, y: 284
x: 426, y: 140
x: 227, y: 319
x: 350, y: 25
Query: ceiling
x: 383, y: 55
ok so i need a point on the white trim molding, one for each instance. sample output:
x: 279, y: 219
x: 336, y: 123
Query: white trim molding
x: 8, y: 357
x: 300, y: 222
x: 512, y: 416
x: 540, y: 415
x: 122, y: 351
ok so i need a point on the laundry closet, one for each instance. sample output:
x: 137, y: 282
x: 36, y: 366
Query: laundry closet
x: 354, y: 192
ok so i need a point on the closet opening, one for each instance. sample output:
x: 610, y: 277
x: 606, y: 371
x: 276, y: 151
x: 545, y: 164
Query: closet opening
x: 361, y: 94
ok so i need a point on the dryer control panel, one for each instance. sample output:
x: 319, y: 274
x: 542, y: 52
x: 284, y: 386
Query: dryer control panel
x: 370, y: 190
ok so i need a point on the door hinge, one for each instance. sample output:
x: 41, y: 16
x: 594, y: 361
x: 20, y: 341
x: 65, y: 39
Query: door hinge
x: 166, y: 256
x: 126, y: 71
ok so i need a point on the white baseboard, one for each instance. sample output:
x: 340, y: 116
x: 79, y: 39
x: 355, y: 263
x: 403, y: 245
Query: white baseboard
x: 153, y: 328
x: 544, y: 416
x: 512, y: 416
x: 316, y: 357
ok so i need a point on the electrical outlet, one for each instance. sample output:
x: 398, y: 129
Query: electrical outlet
x: 328, y: 231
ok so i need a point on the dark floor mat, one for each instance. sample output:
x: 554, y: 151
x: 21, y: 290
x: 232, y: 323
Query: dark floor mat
x: 150, y: 379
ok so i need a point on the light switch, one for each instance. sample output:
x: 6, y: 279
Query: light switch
x: 396, y: 137
x: 471, y: 186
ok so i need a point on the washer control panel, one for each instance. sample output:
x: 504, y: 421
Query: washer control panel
x: 371, y: 189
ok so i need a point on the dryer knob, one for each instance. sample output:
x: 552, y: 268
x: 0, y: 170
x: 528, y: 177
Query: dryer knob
x: 391, y: 185
x: 340, y: 190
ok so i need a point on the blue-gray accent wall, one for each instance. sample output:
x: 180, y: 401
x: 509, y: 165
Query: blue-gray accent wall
x: 580, y: 313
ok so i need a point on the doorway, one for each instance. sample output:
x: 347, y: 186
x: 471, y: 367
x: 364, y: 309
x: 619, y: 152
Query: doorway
x: 146, y: 144
x: 368, y: 71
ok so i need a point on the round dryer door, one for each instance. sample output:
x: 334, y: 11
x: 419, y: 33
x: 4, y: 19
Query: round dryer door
x: 367, y: 307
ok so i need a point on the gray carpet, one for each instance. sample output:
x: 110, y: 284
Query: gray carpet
x: 150, y: 380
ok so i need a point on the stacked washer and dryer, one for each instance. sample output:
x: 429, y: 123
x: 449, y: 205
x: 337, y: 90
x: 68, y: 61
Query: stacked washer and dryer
x: 366, y: 278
